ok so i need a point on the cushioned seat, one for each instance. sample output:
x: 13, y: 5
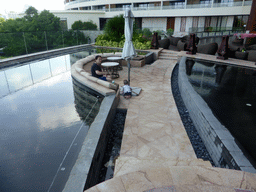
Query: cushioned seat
x: 252, y: 55
x: 238, y: 41
x: 241, y: 55
x: 210, y: 48
x: 251, y: 47
x: 181, y: 46
x: 174, y: 40
x: 164, y: 43
x: 173, y: 47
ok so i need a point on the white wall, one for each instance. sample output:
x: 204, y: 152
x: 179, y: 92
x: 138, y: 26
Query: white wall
x: 154, y: 23
x: 73, y: 16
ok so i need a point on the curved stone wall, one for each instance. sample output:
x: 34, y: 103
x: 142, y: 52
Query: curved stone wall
x: 103, y: 87
x: 217, y: 139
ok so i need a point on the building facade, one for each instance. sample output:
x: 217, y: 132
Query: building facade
x: 184, y: 16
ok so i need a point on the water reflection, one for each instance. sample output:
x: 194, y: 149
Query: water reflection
x: 231, y: 97
x: 41, y: 125
x: 87, y: 105
x: 13, y: 79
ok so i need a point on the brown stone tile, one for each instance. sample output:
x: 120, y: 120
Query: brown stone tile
x: 137, y: 181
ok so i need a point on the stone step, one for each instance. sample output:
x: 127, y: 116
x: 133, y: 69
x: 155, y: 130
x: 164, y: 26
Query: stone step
x: 169, y: 52
x: 167, y: 58
x: 125, y: 165
x: 169, y: 55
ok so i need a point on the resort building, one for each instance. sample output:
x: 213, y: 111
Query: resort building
x: 184, y: 16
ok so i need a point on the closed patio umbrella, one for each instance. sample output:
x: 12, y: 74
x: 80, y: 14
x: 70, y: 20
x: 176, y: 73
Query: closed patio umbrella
x: 128, y: 49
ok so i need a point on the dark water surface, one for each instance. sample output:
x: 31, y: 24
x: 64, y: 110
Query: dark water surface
x: 232, y: 100
x: 41, y: 132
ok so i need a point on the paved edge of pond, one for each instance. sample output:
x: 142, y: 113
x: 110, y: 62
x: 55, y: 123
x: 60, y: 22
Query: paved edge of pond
x: 150, y: 173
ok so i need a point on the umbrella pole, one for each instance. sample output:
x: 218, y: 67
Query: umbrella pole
x: 129, y: 67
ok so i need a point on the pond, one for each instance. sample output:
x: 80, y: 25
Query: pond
x: 230, y: 92
x: 44, y: 117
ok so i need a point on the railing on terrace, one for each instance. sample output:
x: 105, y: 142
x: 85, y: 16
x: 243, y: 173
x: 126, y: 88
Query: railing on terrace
x: 217, y: 33
x: 78, y: 1
x: 182, y: 6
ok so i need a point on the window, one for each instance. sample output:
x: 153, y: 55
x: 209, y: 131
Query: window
x: 240, y: 21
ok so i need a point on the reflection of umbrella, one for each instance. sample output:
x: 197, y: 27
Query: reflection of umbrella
x: 128, y: 49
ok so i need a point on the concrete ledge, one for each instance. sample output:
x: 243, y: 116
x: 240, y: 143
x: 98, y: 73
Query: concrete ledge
x: 39, y: 55
x: 213, y: 59
x: 217, y: 139
x: 85, y: 172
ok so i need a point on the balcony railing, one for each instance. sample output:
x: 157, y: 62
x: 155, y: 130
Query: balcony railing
x: 215, y: 31
x: 181, y: 6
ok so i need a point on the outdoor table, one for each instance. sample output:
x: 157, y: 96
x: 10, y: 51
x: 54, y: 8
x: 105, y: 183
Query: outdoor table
x: 111, y: 68
x: 117, y: 59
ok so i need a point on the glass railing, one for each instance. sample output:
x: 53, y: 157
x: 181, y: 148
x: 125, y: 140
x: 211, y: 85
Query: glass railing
x: 174, y: 7
x: 21, y: 43
x: 194, y: 6
x: 229, y: 4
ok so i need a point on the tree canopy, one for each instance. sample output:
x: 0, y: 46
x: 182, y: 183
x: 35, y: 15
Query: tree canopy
x: 32, y: 21
x: 79, y: 25
x: 36, y: 32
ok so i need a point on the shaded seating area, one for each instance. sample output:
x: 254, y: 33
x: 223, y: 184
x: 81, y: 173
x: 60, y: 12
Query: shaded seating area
x: 244, y: 49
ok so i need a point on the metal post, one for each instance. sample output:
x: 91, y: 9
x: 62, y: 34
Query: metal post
x: 77, y: 37
x: 7, y: 82
x: 129, y: 68
x: 31, y: 74
x: 25, y: 43
x: 62, y: 38
x: 45, y: 40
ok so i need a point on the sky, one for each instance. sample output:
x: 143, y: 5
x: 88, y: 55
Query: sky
x: 18, y: 5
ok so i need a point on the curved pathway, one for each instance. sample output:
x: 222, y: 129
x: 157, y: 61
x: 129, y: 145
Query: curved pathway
x: 156, y: 151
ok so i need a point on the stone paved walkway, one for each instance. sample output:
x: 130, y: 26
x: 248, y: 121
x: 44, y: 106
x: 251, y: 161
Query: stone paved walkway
x: 156, y: 151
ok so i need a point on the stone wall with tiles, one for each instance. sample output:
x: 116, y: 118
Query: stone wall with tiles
x: 219, y: 142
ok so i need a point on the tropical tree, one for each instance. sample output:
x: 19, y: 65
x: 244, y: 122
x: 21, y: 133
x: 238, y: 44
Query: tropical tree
x: 35, y: 32
x: 31, y: 13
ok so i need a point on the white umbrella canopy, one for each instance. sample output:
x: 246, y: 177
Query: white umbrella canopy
x: 128, y: 49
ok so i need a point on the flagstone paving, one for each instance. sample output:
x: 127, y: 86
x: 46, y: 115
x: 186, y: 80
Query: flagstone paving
x: 156, y: 154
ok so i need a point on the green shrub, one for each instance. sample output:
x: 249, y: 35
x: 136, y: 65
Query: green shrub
x: 170, y: 31
x: 114, y: 35
x: 114, y: 28
x: 79, y: 25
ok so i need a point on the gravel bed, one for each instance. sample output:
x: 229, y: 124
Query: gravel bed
x: 113, y: 146
x: 195, y: 139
